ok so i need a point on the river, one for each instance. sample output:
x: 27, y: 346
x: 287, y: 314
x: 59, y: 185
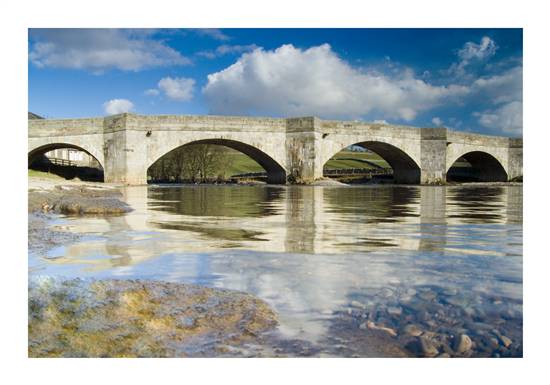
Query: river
x: 343, y: 267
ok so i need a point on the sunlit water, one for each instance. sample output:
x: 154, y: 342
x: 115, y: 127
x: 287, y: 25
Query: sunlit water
x: 448, y: 259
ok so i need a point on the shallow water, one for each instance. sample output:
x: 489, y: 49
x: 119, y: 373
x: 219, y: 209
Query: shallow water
x: 329, y: 260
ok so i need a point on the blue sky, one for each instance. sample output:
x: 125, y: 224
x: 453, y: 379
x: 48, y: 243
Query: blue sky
x: 464, y: 79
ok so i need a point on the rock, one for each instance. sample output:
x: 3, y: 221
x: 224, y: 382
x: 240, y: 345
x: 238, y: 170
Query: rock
x: 394, y: 310
x: 444, y: 355
x: 411, y: 292
x: 412, y: 330
x: 385, y: 292
x: 358, y: 304
x: 505, y: 341
x: 371, y: 325
x: 462, y: 343
x: 422, y: 347
x: 450, y: 291
x: 427, y: 295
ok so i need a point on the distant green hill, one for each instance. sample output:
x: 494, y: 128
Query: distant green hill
x: 242, y: 164
x: 34, y: 116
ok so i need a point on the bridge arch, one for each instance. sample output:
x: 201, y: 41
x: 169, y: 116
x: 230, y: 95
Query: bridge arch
x: 276, y: 173
x: 405, y: 169
x: 39, y: 150
x: 484, y: 167
x: 84, y: 171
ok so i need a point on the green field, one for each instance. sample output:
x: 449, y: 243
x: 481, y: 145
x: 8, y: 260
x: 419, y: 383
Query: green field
x: 42, y: 174
x: 352, y: 159
x: 241, y: 163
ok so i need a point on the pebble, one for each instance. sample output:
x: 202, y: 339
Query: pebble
x: 373, y: 326
x: 358, y: 304
x: 422, y: 347
x: 412, y: 330
x: 427, y: 295
x: 385, y: 292
x: 462, y: 344
x: 394, y: 310
x: 411, y: 292
x: 505, y: 341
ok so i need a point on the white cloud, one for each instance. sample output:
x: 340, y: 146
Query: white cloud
x: 437, y: 121
x: 502, y: 88
x: 214, y: 33
x: 117, y: 106
x: 177, y: 88
x: 152, y: 92
x: 98, y: 50
x: 505, y: 91
x: 290, y: 81
x: 226, y: 50
x: 508, y: 118
x: 472, y: 52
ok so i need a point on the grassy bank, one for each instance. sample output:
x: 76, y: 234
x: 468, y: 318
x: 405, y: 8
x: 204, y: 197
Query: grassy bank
x: 42, y: 174
x: 241, y: 163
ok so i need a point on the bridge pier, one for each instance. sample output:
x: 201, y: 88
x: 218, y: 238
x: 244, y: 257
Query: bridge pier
x: 302, y: 148
x: 124, y: 152
x: 433, y: 158
x: 515, y: 158
x: 292, y: 150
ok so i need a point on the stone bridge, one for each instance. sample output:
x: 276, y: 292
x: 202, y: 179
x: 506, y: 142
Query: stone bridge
x: 293, y: 149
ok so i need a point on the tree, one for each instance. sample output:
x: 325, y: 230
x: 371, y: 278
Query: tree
x: 193, y: 162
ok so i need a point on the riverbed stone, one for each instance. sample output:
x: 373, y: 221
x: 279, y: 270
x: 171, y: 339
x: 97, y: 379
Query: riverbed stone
x: 462, y: 343
x: 427, y: 295
x: 412, y: 330
x: 505, y: 341
x: 358, y: 305
x: 423, y: 347
x: 394, y: 310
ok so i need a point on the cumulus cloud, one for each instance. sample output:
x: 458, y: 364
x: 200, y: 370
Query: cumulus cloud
x: 290, y: 81
x: 117, y: 106
x: 180, y: 89
x: 502, y: 88
x: 485, y: 49
x: 226, y: 50
x: 507, y: 118
x: 505, y: 91
x: 98, y: 50
x: 474, y: 53
x: 438, y: 122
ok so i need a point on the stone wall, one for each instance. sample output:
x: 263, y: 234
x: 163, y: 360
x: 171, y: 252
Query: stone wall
x: 293, y: 149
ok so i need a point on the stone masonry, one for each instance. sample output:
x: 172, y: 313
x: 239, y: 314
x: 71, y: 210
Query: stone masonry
x: 291, y: 150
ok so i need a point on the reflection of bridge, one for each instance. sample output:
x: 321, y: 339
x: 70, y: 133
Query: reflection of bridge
x: 127, y: 145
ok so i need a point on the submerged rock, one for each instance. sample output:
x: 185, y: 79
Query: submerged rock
x: 412, y: 330
x: 505, y: 341
x: 133, y: 318
x: 462, y: 343
x: 422, y: 347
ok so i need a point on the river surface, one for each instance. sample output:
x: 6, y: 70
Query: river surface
x: 341, y: 266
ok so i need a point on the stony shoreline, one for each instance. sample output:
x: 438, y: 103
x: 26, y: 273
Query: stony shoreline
x: 125, y: 318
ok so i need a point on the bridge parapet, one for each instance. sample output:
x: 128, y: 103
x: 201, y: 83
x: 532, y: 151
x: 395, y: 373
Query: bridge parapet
x: 63, y: 127
x: 127, y: 144
x: 477, y: 139
x: 202, y: 123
